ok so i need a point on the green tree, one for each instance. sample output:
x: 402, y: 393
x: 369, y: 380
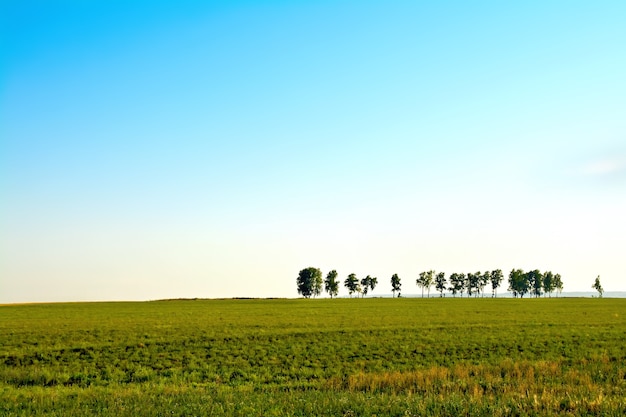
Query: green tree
x: 484, y: 280
x: 368, y: 283
x: 535, y: 281
x: 469, y: 284
x: 331, y: 285
x: 430, y: 279
x: 310, y: 282
x: 425, y: 281
x: 496, y: 279
x: 395, y: 284
x: 420, y: 281
x: 440, y: 283
x: 457, y: 284
x: 596, y: 286
x: 463, y: 282
x: 352, y: 284
x: 373, y: 283
x: 518, y: 283
x: 558, y: 284
x: 473, y: 283
x: 548, y: 283
x: 365, y: 285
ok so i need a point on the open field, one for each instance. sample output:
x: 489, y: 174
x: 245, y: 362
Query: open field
x: 343, y: 357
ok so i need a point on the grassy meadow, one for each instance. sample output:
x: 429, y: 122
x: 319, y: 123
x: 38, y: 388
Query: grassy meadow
x: 342, y: 357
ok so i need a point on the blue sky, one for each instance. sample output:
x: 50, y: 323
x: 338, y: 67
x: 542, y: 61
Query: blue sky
x: 213, y: 149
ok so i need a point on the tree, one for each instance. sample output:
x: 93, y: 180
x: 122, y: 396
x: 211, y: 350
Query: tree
x: 548, y: 283
x: 457, y: 284
x: 440, y: 283
x: 317, y: 284
x: 463, y: 283
x: 535, y: 282
x: 430, y: 277
x: 473, y: 283
x: 421, y: 282
x: 352, y: 284
x: 453, y: 288
x: 469, y: 284
x: 496, y: 279
x: 373, y: 283
x: 425, y: 281
x: 518, y: 283
x: 395, y: 284
x: 368, y: 283
x: 331, y: 285
x: 596, y: 286
x: 310, y: 282
x: 484, y: 280
x: 365, y: 285
x: 558, y: 284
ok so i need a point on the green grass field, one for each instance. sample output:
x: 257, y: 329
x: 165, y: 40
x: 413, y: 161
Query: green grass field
x: 343, y: 357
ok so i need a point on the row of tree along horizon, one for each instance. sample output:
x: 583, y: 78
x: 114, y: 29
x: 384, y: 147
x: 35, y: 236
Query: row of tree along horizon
x: 535, y: 283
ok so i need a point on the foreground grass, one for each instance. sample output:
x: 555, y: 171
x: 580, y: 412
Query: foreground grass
x: 315, y: 357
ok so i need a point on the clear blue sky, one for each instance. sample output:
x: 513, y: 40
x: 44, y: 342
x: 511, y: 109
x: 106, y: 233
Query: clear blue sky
x: 213, y: 149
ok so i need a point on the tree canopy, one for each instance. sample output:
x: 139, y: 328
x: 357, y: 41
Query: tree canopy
x: 596, y: 286
x: 331, y: 285
x: 352, y: 284
x: 496, y: 279
x: 395, y: 284
x: 457, y: 283
x: 368, y: 283
x: 425, y: 281
x: 440, y: 283
x: 310, y: 282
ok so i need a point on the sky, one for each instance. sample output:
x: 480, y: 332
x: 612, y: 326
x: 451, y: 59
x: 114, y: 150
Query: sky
x: 209, y: 149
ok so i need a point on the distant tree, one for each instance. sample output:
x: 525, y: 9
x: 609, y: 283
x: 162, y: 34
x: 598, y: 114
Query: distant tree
x: 310, y: 282
x: 496, y: 279
x: 596, y: 286
x: 462, y: 283
x: 535, y: 282
x: 421, y: 282
x: 558, y: 284
x: 318, y: 283
x: 395, y: 285
x: 331, y: 285
x: 425, y: 281
x: 373, y: 283
x: 469, y: 284
x: 484, y: 280
x: 365, y: 285
x: 457, y: 284
x: 548, y: 282
x: 518, y: 283
x: 368, y: 283
x: 352, y: 284
x: 440, y: 283
x: 473, y: 283
x: 453, y: 288
x: 429, y: 280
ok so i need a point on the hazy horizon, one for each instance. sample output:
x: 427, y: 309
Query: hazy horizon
x: 213, y: 149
